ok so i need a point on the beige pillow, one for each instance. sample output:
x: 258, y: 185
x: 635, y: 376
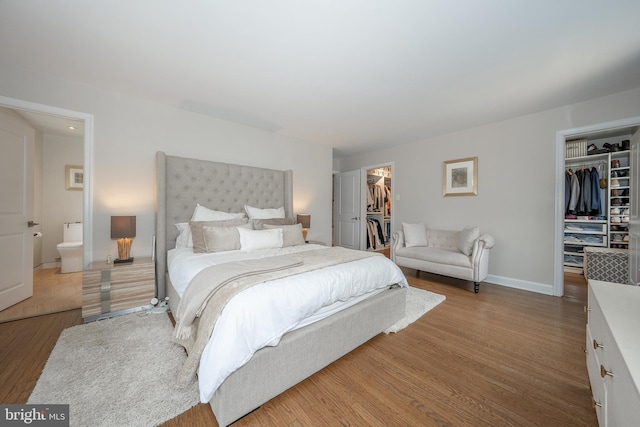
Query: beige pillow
x: 197, y: 233
x: 414, y: 234
x: 468, y: 237
x: 291, y: 234
x: 259, y: 223
x: 220, y: 239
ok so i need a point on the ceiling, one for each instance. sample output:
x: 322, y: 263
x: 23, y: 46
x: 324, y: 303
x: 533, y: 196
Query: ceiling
x: 352, y: 74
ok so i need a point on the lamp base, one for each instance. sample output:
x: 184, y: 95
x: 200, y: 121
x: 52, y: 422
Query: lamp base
x: 123, y: 261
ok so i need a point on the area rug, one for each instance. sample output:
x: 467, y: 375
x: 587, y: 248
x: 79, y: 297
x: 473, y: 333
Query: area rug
x: 117, y: 372
x: 419, y: 302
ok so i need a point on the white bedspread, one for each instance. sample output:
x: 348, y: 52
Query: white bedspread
x: 260, y: 315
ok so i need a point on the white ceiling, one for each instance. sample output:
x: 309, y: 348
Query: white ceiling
x: 352, y: 74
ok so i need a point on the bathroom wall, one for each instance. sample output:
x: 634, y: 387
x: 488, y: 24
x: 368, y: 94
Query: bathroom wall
x: 59, y: 205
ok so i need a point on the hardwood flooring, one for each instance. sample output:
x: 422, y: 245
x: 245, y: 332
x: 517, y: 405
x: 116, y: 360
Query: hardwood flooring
x: 502, y: 357
x: 52, y: 292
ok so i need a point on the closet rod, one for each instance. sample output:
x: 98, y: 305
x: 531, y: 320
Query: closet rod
x: 583, y: 164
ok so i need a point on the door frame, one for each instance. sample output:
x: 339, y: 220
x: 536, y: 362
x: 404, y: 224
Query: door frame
x: 363, y: 200
x: 561, y: 137
x: 87, y: 204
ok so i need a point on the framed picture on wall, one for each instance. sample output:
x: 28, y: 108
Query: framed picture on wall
x: 74, y: 177
x: 460, y: 177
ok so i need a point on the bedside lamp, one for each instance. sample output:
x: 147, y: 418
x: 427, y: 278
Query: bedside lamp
x: 305, y: 220
x: 123, y: 228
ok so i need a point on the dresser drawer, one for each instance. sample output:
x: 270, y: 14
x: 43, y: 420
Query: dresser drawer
x: 598, y: 389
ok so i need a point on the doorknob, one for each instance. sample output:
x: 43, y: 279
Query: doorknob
x: 31, y: 223
x: 355, y: 218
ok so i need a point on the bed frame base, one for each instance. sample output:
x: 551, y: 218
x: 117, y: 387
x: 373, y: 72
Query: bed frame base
x: 303, y: 352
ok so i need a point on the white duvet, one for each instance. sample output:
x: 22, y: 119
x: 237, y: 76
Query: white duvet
x: 259, y: 316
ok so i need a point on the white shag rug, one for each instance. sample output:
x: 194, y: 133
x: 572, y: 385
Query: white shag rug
x: 419, y: 302
x: 117, y: 372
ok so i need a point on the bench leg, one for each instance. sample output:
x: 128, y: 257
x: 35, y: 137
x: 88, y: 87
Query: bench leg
x: 476, y: 287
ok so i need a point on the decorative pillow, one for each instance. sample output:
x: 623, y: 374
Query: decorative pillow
x: 251, y: 240
x: 220, y: 239
x: 414, y: 234
x: 205, y: 214
x: 291, y: 234
x: 197, y: 234
x: 184, y: 239
x: 258, y: 224
x: 468, y: 237
x: 257, y: 213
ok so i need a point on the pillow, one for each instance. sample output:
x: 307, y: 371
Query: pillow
x: 220, y: 239
x: 205, y: 214
x: 197, y: 234
x: 251, y: 240
x: 414, y: 234
x: 257, y: 213
x: 468, y: 237
x: 291, y: 234
x: 259, y: 223
x: 184, y: 239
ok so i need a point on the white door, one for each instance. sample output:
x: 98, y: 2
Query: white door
x: 346, y: 194
x: 16, y: 210
x: 634, y: 211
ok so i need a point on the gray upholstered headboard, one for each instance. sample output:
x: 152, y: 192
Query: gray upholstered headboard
x: 182, y: 182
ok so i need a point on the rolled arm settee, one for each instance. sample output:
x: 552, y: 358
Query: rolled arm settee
x: 442, y: 255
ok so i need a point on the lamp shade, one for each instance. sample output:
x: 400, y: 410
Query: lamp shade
x: 305, y: 220
x: 123, y: 227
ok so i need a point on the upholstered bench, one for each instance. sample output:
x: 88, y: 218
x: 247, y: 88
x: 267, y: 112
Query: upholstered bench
x: 460, y: 254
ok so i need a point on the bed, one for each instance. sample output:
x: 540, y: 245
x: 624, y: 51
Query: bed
x: 181, y: 184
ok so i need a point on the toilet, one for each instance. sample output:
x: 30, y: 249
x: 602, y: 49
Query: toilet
x: 70, y: 249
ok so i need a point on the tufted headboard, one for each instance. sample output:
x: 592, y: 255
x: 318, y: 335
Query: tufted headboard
x: 182, y: 182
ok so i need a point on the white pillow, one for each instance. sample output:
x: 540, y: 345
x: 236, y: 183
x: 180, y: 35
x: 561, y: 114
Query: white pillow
x: 205, y: 214
x: 184, y: 239
x: 468, y: 237
x: 291, y: 234
x: 251, y: 240
x: 414, y: 234
x: 257, y: 213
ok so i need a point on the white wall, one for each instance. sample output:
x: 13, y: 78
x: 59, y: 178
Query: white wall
x: 127, y: 133
x: 516, y: 176
x: 60, y: 205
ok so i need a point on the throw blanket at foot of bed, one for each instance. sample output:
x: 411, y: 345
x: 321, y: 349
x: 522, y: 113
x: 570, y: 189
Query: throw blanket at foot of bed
x: 211, y: 289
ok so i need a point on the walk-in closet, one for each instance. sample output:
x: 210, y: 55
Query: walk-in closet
x: 378, y: 208
x: 597, y: 196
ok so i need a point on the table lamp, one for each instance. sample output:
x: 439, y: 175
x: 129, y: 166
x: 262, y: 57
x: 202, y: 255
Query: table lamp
x: 123, y: 228
x: 305, y: 221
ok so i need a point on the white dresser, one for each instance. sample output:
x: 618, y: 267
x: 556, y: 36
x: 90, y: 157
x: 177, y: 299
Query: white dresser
x: 613, y: 352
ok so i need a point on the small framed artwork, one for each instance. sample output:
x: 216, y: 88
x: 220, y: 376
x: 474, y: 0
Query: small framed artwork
x: 460, y: 177
x: 74, y: 177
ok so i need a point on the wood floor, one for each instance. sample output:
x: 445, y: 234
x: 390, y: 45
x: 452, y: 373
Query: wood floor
x: 502, y: 357
x: 52, y: 292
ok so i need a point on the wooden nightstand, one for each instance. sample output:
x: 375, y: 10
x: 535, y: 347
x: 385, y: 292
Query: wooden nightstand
x: 113, y: 289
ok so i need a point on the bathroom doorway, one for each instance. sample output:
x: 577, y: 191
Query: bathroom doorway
x: 57, y: 146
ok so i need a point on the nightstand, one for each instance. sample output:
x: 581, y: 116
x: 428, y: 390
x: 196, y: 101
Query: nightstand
x: 112, y: 289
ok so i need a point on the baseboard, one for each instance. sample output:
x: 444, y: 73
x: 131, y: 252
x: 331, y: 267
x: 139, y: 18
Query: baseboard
x: 525, y: 285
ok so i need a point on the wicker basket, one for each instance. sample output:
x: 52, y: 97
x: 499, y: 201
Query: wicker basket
x: 576, y: 148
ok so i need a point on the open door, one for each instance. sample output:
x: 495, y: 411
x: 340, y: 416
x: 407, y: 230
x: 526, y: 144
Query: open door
x: 346, y: 193
x: 16, y: 209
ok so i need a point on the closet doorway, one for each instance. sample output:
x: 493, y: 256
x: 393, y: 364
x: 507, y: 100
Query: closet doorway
x: 377, y: 207
x: 620, y: 129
